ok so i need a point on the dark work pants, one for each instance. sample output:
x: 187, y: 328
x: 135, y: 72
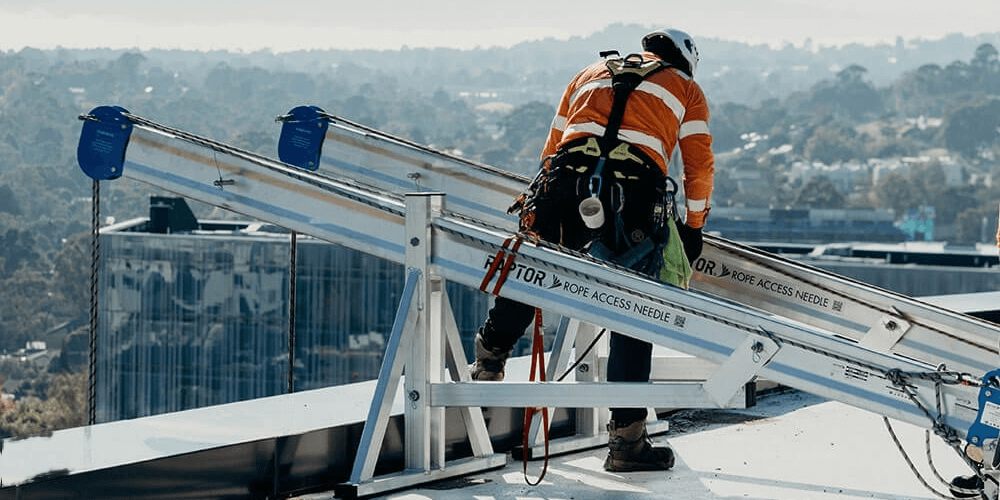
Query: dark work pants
x: 628, y: 358
x: 558, y: 220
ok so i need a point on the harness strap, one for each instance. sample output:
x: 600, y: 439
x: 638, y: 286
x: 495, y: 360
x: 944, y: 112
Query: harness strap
x: 502, y: 278
x: 497, y: 260
x: 626, y: 75
x: 504, y: 259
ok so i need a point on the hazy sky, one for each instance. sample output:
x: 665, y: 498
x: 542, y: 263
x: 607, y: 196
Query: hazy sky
x: 249, y: 25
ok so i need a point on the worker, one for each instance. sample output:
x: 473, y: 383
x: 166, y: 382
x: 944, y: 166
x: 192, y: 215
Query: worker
x: 616, y: 149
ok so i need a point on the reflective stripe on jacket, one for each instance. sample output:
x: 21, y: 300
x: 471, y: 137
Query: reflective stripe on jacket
x: 666, y: 107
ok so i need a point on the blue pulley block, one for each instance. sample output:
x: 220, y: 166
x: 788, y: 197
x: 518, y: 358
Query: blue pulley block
x: 105, y: 135
x: 302, y: 134
x: 987, y: 424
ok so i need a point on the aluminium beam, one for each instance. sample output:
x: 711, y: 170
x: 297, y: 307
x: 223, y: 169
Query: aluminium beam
x: 811, y: 358
x: 758, y: 279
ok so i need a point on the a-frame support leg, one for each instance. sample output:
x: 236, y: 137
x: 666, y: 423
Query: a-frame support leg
x: 423, y: 326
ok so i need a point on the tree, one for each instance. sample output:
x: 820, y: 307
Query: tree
x: 126, y: 67
x: 830, y: 145
x: 851, y: 75
x: 928, y: 182
x: 850, y: 93
x: 64, y: 406
x: 920, y: 92
x: 526, y: 123
x: 952, y: 201
x: 986, y: 57
x: 26, y: 308
x: 8, y: 201
x: 958, y: 76
x: 893, y: 191
x: 72, y: 274
x: 18, y: 248
x: 499, y: 156
x: 987, y: 62
x: 973, y: 127
x: 969, y: 226
x: 819, y: 192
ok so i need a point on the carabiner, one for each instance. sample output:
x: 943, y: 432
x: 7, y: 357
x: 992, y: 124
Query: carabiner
x: 596, y: 181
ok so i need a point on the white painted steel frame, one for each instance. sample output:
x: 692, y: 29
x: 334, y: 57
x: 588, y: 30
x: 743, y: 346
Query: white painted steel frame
x: 459, y: 249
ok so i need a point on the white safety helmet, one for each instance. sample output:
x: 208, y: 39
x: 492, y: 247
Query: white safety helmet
x: 681, y: 40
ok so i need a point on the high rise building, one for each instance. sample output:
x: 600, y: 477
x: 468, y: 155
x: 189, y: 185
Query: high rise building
x: 196, y: 313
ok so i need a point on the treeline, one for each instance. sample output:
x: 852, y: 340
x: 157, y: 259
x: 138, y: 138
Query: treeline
x: 486, y: 108
x: 941, y: 122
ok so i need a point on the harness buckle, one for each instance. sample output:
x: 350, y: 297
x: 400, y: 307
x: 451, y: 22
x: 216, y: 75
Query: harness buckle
x: 623, y: 153
x: 590, y: 148
x: 596, y: 181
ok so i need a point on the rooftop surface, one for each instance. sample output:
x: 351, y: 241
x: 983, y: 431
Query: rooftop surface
x: 791, y: 446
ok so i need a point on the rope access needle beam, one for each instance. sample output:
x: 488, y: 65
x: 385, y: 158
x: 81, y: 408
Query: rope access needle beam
x: 816, y: 318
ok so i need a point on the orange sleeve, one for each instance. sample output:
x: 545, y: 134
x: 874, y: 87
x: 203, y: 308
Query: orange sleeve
x: 696, y: 154
x: 558, y: 126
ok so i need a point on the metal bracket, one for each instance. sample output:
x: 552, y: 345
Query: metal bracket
x: 741, y: 367
x: 886, y: 333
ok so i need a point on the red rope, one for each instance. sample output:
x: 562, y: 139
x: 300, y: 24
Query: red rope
x: 537, y: 350
x: 537, y: 361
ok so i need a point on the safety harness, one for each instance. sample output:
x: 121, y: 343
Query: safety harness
x: 627, y: 73
x: 593, y: 154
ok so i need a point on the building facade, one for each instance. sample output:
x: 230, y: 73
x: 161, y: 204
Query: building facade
x: 196, y: 313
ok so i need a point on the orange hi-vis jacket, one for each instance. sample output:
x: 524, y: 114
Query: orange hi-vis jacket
x: 665, y: 108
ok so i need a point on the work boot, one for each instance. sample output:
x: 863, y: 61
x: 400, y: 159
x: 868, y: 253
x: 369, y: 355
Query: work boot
x: 966, y: 486
x: 630, y: 449
x: 489, y: 362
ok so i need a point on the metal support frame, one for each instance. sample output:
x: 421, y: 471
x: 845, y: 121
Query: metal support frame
x: 425, y: 340
x: 751, y: 314
x: 722, y: 387
x: 423, y: 332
